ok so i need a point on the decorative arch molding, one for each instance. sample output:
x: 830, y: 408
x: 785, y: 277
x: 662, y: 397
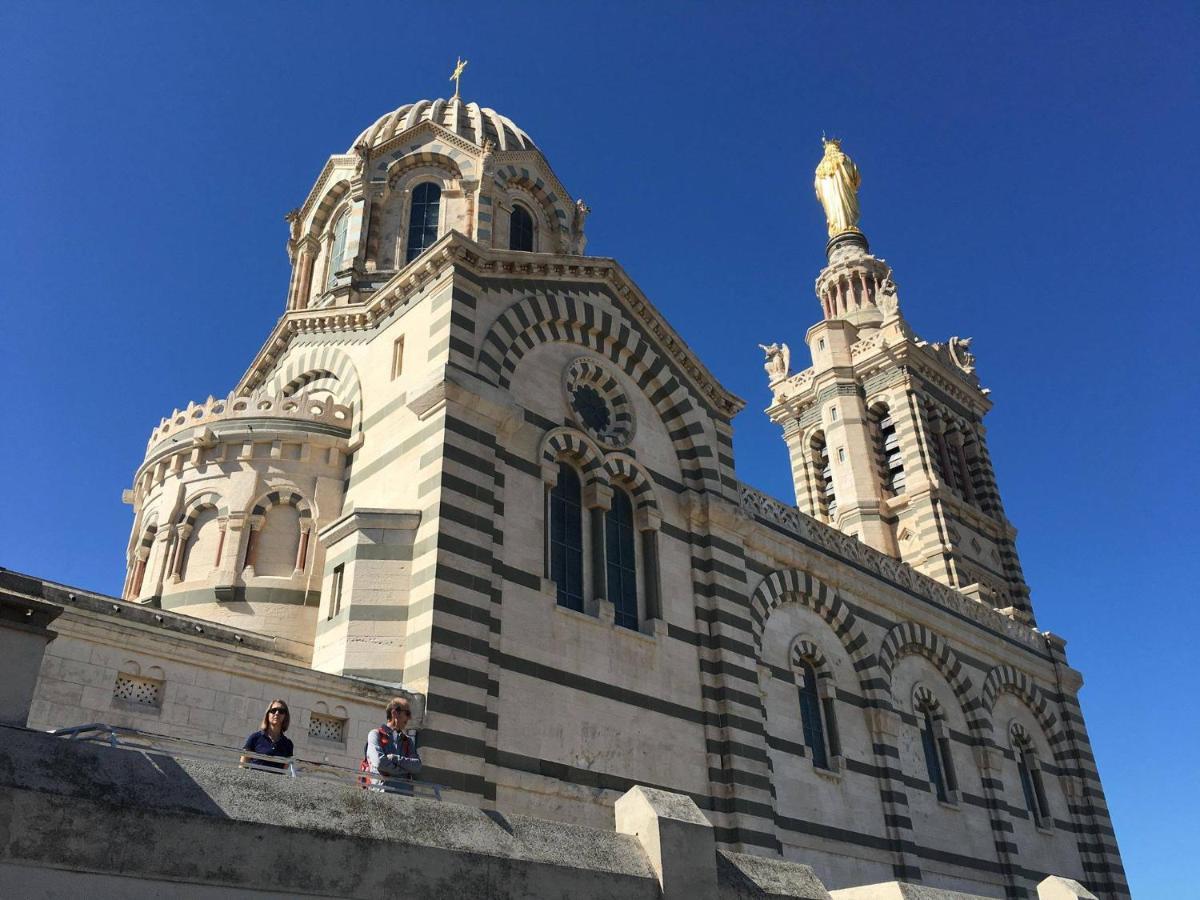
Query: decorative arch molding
x: 193, y: 507
x: 329, y: 202
x: 806, y: 650
x: 284, y: 496
x: 619, y: 467
x: 795, y: 585
x: 909, y: 638
x: 548, y: 318
x: 559, y: 221
x: 402, y: 165
x: 1006, y: 679
x: 307, y: 365
x: 568, y: 443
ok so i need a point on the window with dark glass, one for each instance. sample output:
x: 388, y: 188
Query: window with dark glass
x: 520, y: 230
x: 933, y: 762
x: 810, y: 716
x: 622, y: 567
x: 1032, y: 787
x: 423, y: 219
x: 566, y: 538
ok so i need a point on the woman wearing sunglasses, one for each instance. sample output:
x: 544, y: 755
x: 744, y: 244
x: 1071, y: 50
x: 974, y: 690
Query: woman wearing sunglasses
x: 270, y: 739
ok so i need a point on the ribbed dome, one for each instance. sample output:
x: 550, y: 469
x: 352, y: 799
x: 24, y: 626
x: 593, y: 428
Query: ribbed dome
x: 468, y: 120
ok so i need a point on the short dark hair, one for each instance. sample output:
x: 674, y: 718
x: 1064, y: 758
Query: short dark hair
x: 395, y: 704
x: 287, y: 714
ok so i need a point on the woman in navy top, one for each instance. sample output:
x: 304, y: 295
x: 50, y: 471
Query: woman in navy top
x: 270, y: 740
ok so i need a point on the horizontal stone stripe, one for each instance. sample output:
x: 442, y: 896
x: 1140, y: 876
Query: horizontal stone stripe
x: 725, y: 748
x: 724, y: 694
x: 721, y: 668
x: 454, y: 780
x: 444, y: 705
x: 432, y: 739
x: 519, y: 464
x: 360, y: 473
x: 519, y: 576
x: 739, y: 776
x: 733, y: 573
x: 833, y: 833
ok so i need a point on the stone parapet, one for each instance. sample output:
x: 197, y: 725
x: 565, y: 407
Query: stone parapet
x: 318, y: 413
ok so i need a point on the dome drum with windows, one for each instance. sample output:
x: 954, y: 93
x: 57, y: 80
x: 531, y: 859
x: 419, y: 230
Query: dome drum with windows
x: 416, y: 174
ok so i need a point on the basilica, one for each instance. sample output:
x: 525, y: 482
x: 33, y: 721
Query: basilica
x: 477, y: 466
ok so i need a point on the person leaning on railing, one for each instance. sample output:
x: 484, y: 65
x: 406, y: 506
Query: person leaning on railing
x: 270, y: 739
x: 390, y: 751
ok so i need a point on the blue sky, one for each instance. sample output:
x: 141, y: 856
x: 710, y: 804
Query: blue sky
x: 1029, y: 171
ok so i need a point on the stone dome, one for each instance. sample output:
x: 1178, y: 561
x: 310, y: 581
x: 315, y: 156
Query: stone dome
x: 469, y: 121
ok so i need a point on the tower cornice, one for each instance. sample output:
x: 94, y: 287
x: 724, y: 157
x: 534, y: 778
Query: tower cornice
x: 454, y: 249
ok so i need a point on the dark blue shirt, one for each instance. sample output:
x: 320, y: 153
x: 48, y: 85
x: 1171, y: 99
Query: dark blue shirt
x: 260, y: 742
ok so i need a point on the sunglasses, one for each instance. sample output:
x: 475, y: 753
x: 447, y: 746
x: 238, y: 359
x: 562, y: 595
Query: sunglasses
x: 278, y: 709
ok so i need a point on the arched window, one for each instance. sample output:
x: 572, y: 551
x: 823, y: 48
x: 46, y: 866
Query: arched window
x: 278, y: 542
x: 337, y: 249
x: 826, y: 499
x: 935, y: 742
x: 933, y: 761
x: 423, y: 219
x: 622, y: 566
x: 566, y: 538
x: 810, y: 714
x: 520, y: 229
x: 1030, y: 772
x: 200, y: 552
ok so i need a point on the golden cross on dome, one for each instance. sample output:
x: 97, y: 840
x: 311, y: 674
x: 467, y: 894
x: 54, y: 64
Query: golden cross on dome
x: 457, y: 74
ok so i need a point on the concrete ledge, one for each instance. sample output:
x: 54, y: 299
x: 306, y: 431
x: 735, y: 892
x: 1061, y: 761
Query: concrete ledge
x: 1057, y: 888
x: 83, y: 808
x: 899, y: 890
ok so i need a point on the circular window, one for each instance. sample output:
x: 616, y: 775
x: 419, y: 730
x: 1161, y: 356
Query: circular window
x: 597, y: 402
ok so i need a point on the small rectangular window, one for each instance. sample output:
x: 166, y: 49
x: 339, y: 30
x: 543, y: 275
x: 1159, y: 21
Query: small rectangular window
x: 397, y: 357
x: 833, y: 414
x: 821, y: 344
x: 335, y: 600
x: 841, y: 454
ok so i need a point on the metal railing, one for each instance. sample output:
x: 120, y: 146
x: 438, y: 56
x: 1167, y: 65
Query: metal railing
x: 294, y: 767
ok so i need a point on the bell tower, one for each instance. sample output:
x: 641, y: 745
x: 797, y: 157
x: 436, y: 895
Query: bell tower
x: 885, y: 430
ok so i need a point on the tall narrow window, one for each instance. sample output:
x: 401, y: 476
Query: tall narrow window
x: 1031, y: 784
x: 891, y: 460
x: 566, y: 538
x: 335, y: 601
x: 810, y: 715
x: 398, y: 357
x: 520, y: 229
x: 423, y: 219
x: 337, y: 249
x: 933, y: 762
x: 622, y: 567
x: 826, y: 499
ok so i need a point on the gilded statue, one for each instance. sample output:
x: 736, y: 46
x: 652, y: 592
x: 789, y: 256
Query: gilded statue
x: 836, y: 184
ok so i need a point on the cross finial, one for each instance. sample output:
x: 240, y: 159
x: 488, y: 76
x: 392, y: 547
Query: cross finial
x: 457, y: 75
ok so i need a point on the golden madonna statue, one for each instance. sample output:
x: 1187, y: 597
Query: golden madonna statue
x: 836, y: 183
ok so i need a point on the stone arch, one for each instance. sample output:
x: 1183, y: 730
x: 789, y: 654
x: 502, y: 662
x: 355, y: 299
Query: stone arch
x: 805, y: 650
x: 307, y: 364
x: 909, y: 638
x: 794, y: 584
x: 193, y: 507
x: 579, y: 447
x: 283, y: 496
x: 323, y: 214
x: 401, y: 165
x: 619, y: 467
x: 1006, y: 679
x: 547, y: 318
x: 552, y: 206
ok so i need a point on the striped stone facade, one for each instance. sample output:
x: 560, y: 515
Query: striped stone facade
x: 429, y: 563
